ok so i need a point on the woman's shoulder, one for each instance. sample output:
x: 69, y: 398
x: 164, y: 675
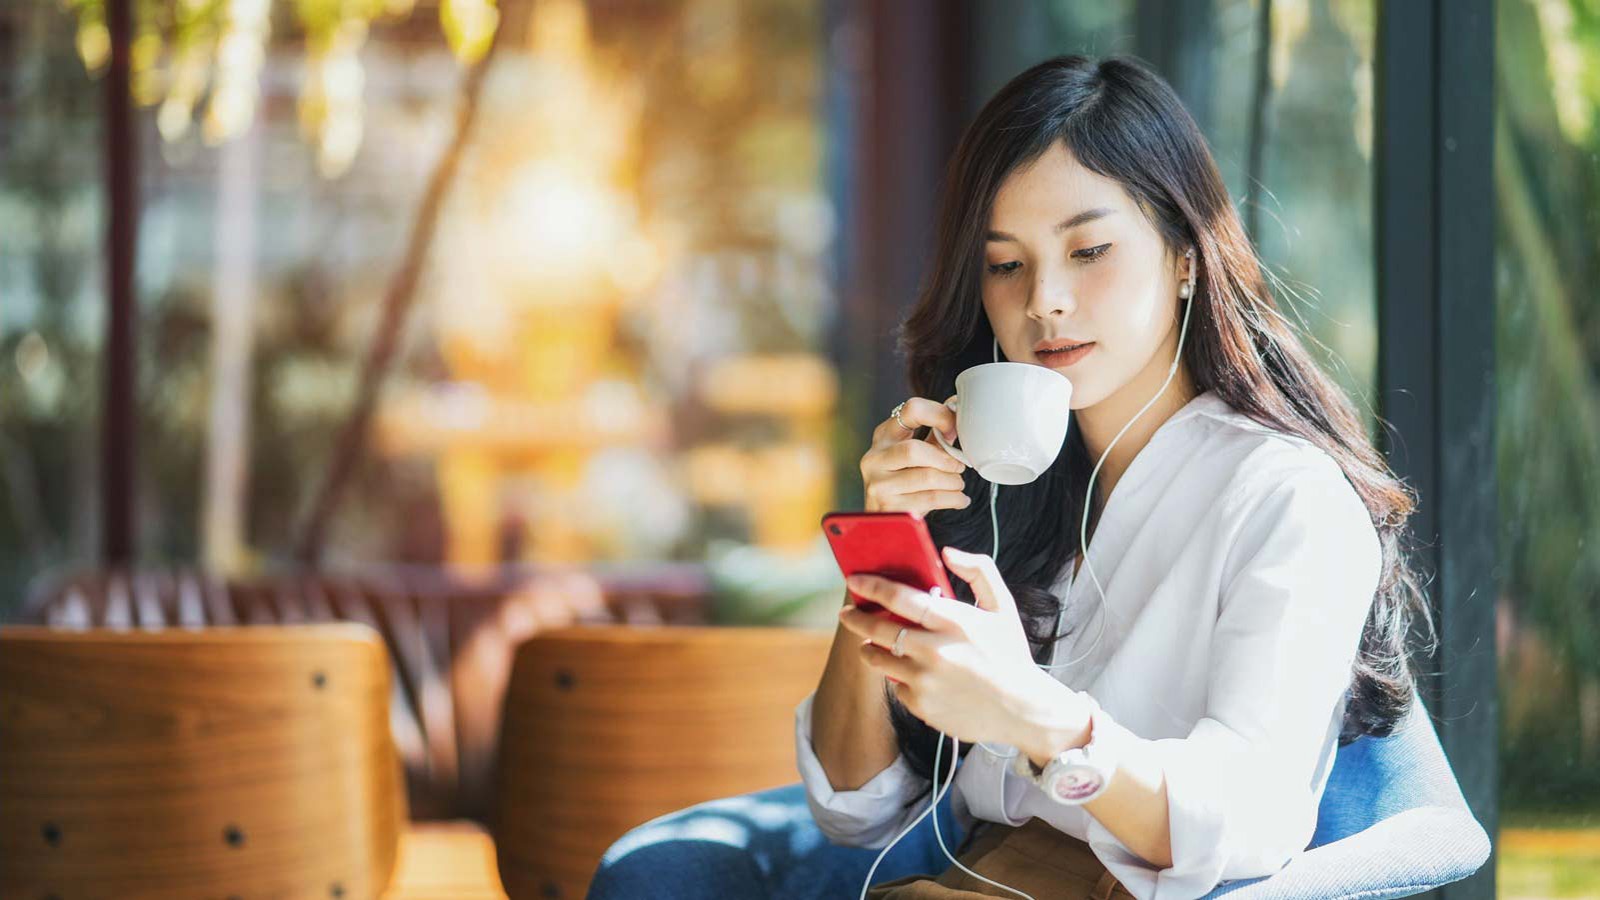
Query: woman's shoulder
x: 1255, y: 450
x: 1277, y: 482
x: 1260, y: 466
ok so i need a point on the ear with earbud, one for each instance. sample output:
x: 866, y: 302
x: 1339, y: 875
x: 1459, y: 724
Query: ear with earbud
x: 1186, y: 289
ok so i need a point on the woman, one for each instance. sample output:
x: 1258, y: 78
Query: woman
x: 1249, y: 600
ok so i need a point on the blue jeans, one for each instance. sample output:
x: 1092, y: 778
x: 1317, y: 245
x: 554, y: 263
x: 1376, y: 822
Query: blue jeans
x: 762, y: 844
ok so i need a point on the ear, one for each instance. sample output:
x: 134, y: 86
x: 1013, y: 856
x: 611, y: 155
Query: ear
x: 1183, y: 270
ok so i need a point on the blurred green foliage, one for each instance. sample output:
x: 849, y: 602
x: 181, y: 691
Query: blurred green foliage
x: 1547, y: 187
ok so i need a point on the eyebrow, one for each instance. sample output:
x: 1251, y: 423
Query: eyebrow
x: 1067, y: 224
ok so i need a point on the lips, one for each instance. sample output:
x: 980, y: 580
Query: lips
x: 1067, y: 354
x: 1058, y: 344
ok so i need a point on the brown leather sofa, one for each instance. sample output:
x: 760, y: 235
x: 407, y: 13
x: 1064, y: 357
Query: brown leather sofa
x: 451, y: 639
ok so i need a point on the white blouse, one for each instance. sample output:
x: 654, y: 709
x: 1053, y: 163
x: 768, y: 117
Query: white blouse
x: 1239, y: 566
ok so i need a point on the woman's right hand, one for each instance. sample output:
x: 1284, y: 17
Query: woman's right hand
x: 902, y: 474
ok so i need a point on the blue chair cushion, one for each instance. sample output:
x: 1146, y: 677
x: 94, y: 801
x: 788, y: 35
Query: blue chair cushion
x: 1392, y: 823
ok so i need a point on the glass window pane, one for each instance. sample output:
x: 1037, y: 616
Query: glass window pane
x: 51, y: 298
x: 1547, y: 191
x: 610, y: 346
x: 1295, y: 147
x: 1296, y: 151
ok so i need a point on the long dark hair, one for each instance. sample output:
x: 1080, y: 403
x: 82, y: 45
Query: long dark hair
x: 1125, y: 123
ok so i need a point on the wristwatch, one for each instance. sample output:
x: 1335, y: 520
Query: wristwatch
x: 1079, y: 774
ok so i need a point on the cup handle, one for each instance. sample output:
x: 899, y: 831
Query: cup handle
x: 939, y: 436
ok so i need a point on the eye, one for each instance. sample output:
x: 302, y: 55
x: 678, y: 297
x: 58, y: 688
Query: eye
x: 1093, y: 253
x: 1004, y: 270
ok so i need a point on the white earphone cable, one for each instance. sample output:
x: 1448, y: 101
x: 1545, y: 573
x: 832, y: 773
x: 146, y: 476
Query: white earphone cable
x: 1083, y: 532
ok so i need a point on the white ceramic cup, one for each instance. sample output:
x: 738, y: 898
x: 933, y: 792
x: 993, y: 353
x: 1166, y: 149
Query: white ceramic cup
x: 1010, y: 419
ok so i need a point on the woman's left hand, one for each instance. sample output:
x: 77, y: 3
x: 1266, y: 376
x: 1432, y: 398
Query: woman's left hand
x: 968, y: 671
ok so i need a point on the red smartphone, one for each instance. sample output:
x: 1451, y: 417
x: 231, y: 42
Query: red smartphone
x: 893, y: 545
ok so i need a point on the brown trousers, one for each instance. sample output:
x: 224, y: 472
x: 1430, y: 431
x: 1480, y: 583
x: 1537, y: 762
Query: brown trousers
x: 1034, y: 857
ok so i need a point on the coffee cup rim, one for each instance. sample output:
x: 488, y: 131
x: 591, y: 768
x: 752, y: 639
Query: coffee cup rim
x: 967, y: 372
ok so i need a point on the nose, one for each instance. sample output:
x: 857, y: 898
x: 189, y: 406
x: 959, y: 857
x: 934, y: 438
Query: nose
x: 1050, y: 295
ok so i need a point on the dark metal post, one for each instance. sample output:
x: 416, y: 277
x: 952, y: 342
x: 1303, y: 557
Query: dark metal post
x: 1434, y: 207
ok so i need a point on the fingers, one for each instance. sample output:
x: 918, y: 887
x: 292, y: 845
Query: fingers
x: 897, y: 668
x: 911, y: 454
x: 924, y: 502
x: 932, y: 613
x: 920, y: 504
x: 879, y: 463
x: 918, y: 411
x: 981, y: 572
x: 885, y: 491
x: 881, y: 630
x: 911, y: 476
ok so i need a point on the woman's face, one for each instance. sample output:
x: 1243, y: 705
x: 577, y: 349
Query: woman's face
x: 1071, y: 259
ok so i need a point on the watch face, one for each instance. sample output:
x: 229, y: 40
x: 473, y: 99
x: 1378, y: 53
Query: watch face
x: 1076, y: 784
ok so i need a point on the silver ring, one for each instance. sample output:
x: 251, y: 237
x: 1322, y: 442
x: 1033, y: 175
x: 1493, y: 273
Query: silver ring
x: 897, y: 638
x: 900, y: 421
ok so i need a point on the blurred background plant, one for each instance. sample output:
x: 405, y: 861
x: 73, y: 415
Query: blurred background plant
x: 1547, y: 188
x: 192, y: 53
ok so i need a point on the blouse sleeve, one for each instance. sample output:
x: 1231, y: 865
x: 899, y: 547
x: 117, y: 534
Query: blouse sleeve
x: 1242, y: 786
x: 869, y: 816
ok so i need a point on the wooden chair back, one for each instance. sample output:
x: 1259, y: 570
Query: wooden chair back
x: 232, y: 761
x: 607, y: 727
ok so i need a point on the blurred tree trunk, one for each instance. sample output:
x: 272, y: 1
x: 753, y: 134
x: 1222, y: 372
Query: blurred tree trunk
x: 118, y: 424
x: 397, y: 301
x: 232, y: 308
